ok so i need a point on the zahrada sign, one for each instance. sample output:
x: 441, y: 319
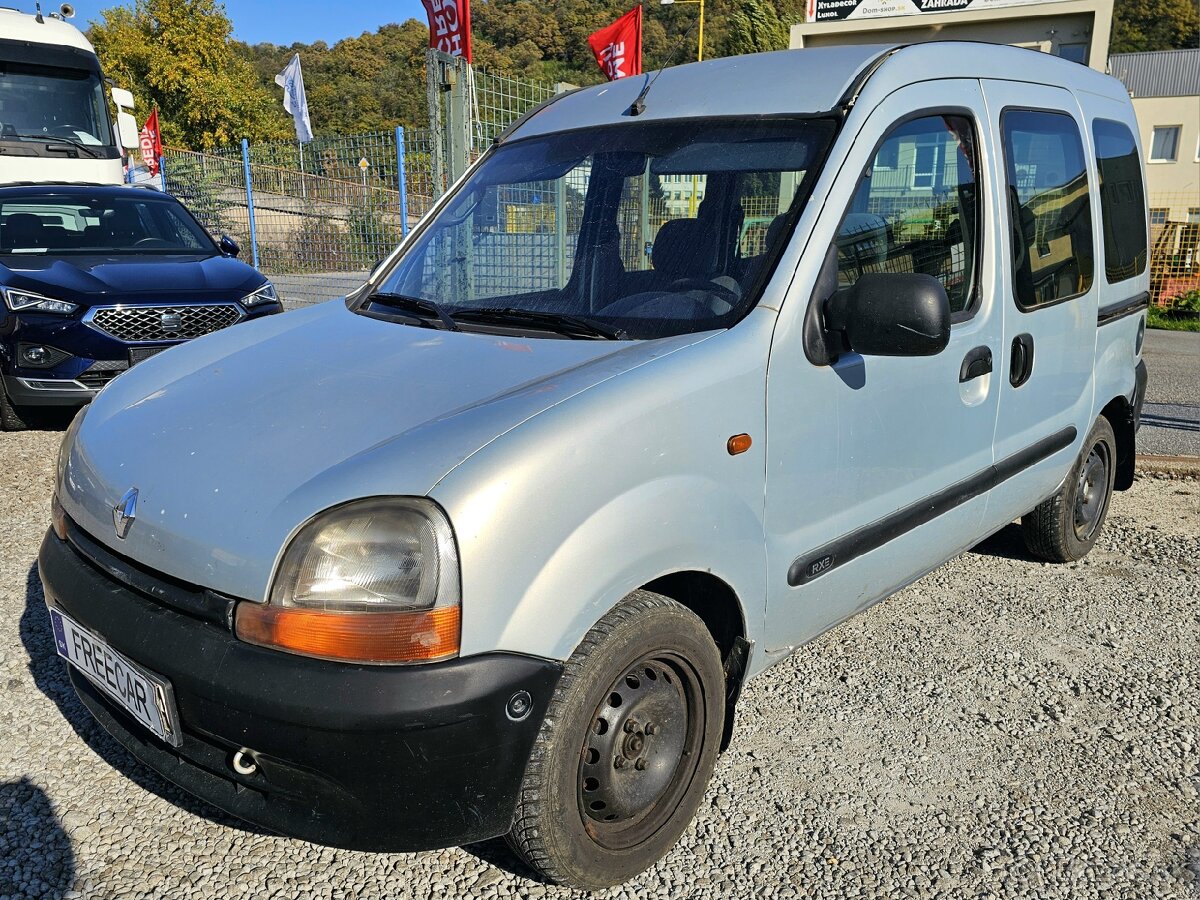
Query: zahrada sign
x: 830, y: 10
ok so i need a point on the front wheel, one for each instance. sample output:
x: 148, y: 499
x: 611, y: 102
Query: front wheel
x: 11, y: 418
x: 1065, y: 527
x: 627, y: 746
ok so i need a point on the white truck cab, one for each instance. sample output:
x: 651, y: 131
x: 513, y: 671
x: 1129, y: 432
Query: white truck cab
x: 54, y: 117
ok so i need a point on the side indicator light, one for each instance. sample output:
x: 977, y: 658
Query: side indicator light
x: 739, y: 443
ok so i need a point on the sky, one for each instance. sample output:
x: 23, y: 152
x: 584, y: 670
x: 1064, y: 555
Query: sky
x: 287, y: 21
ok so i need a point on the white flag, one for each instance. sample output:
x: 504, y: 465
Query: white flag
x: 291, y: 80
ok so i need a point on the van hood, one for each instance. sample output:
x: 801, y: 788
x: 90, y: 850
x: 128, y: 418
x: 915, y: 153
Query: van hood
x: 234, y: 440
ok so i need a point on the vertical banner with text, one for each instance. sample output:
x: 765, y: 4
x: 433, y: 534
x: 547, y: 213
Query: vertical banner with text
x: 450, y: 26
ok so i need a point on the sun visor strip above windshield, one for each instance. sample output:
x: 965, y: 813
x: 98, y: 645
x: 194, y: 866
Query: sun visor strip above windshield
x: 50, y: 55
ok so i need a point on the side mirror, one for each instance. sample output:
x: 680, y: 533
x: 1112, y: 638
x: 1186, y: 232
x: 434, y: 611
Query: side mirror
x: 228, y: 246
x: 122, y: 98
x: 127, y: 130
x: 890, y: 315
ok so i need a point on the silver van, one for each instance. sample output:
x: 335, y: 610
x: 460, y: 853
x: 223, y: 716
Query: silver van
x: 686, y: 370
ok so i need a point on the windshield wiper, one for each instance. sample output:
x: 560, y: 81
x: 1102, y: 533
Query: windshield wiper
x: 426, y: 309
x: 560, y: 323
x: 46, y: 139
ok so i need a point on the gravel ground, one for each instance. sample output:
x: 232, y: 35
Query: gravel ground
x: 1002, y: 728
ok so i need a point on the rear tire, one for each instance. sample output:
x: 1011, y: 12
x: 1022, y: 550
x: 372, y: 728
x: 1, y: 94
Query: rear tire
x: 1065, y: 527
x: 10, y: 415
x: 627, y: 746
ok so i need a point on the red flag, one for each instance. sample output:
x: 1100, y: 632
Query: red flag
x: 151, y: 141
x: 450, y: 26
x: 618, y: 47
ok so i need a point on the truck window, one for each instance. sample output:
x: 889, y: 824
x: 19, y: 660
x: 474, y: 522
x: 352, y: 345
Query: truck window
x: 1122, y: 200
x: 917, y: 209
x: 1049, y: 207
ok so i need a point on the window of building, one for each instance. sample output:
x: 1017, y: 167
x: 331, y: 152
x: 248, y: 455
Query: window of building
x: 1074, y: 52
x: 925, y: 163
x: 890, y: 227
x: 1049, y: 207
x: 1158, y: 217
x: 1164, y: 143
x: 1122, y: 199
x: 1193, y: 215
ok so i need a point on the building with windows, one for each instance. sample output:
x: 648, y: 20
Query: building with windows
x: 1077, y: 30
x: 1165, y: 88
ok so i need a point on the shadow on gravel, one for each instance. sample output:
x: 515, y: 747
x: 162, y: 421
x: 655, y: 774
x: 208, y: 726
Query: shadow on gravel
x: 37, y: 854
x: 1007, y: 543
x: 50, y: 418
x: 497, y: 853
x: 51, y: 679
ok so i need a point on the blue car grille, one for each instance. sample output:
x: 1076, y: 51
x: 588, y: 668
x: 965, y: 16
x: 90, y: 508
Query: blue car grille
x: 164, y: 323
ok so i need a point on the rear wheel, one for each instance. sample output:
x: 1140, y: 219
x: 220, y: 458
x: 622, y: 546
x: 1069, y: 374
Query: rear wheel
x: 627, y: 746
x: 11, y: 418
x: 1065, y: 527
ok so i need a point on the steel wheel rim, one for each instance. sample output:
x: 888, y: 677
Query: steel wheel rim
x: 636, y: 766
x: 1091, y: 492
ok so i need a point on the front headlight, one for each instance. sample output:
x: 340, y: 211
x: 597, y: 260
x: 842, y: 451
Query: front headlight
x: 373, y: 581
x: 265, y: 294
x: 27, y: 301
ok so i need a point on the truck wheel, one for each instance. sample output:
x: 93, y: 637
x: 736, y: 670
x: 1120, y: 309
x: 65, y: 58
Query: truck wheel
x: 627, y: 746
x: 1064, y: 528
x: 10, y: 416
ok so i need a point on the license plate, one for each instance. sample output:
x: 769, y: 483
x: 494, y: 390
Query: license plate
x: 137, y: 354
x: 145, y: 696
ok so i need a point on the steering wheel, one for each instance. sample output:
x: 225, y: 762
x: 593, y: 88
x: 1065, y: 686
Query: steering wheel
x: 152, y: 242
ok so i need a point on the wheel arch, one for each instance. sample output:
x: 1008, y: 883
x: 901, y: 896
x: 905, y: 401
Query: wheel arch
x: 718, y: 606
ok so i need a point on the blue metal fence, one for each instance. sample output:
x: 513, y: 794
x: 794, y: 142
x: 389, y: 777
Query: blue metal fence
x: 316, y: 218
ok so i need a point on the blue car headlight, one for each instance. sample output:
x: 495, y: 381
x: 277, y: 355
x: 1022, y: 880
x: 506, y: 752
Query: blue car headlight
x: 265, y: 294
x: 27, y: 301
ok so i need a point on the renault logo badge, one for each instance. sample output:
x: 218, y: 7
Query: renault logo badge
x: 125, y: 512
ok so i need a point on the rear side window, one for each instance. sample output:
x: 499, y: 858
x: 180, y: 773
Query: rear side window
x: 1049, y: 207
x: 1122, y: 200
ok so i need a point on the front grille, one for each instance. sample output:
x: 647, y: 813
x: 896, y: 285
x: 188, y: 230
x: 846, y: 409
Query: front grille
x: 164, y: 323
x: 98, y: 379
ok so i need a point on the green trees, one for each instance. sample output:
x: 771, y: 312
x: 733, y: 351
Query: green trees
x: 755, y: 27
x: 177, y: 54
x: 1155, y: 25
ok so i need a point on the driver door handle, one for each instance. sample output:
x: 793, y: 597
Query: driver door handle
x: 976, y: 363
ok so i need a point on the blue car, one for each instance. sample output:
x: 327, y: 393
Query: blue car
x: 97, y: 278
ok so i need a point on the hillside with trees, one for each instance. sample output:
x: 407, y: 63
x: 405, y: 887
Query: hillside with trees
x: 213, y: 90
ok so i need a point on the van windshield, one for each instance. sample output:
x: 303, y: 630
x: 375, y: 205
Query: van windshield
x: 636, y: 230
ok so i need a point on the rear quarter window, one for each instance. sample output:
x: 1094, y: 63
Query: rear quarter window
x: 1122, y: 200
x: 1049, y: 207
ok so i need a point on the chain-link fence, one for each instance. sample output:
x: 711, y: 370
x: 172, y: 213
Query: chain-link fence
x: 1174, y: 246
x: 314, y: 218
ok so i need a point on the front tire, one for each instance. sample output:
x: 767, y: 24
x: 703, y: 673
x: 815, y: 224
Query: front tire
x: 627, y: 746
x: 11, y: 418
x: 1065, y: 527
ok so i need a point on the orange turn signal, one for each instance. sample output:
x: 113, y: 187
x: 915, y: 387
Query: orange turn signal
x: 372, y: 637
x: 739, y: 443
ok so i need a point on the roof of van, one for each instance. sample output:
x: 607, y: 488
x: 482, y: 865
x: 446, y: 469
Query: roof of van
x: 801, y: 82
x: 18, y: 26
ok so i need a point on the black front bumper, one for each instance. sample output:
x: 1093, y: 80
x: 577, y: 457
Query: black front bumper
x: 363, y: 757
